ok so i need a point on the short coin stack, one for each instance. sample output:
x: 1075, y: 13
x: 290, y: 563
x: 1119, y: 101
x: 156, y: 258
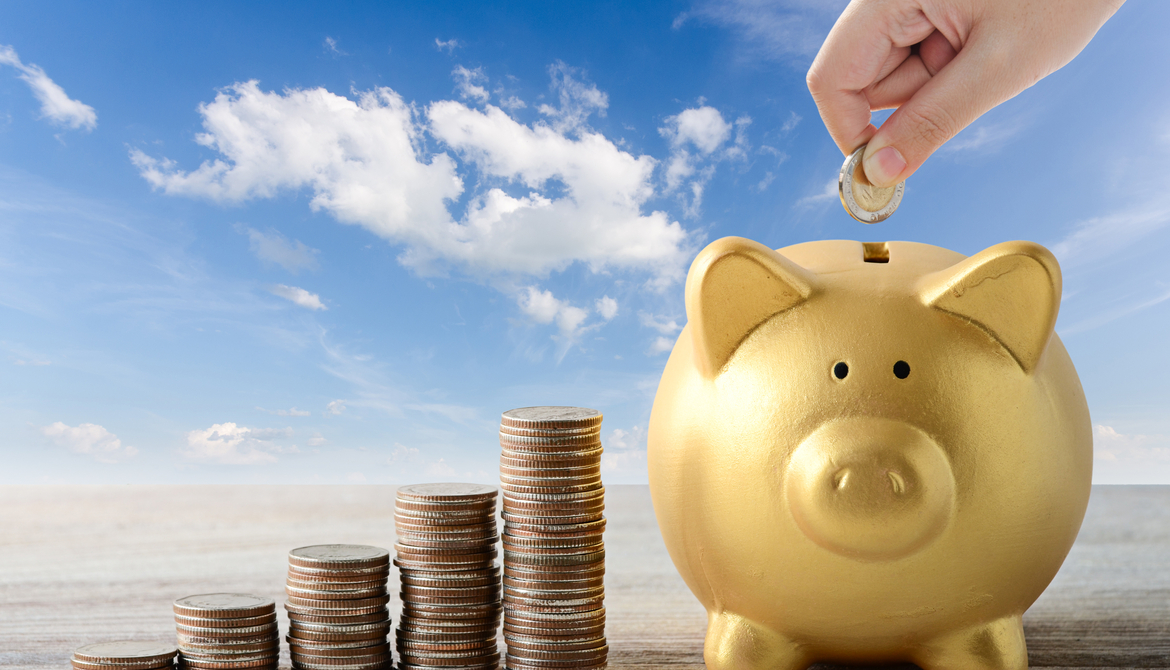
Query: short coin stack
x: 554, y: 555
x: 227, y: 631
x: 124, y: 655
x: 337, y: 615
x: 450, y: 582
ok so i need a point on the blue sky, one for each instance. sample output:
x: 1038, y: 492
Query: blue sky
x: 294, y: 243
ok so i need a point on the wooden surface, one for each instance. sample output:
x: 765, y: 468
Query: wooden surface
x: 81, y: 565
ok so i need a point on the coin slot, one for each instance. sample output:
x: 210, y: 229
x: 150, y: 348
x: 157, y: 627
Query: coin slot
x: 875, y: 252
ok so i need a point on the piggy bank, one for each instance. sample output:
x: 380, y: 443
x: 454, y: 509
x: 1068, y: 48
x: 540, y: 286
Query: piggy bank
x: 869, y: 453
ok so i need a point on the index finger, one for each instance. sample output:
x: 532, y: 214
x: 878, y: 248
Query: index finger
x: 851, y: 59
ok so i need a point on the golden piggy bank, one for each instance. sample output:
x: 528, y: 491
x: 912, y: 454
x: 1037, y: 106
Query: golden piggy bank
x: 868, y: 453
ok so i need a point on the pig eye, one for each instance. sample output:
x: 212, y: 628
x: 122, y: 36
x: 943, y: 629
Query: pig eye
x: 901, y: 369
x: 840, y: 370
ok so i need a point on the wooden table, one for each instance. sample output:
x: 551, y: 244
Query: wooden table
x: 85, y: 564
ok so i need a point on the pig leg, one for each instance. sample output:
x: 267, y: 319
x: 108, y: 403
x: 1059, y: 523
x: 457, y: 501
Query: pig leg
x: 998, y: 645
x: 734, y: 643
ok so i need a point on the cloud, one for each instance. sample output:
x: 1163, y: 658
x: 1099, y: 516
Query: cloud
x: 607, y: 307
x: 1110, y: 445
x: 543, y: 307
x: 298, y: 296
x: 467, y: 83
x: 356, y: 478
x: 704, y: 130
x: 660, y: 345
x: 659, y: 323
x: 829, y: 193
x: 985, y: 137
x: 229, y: 444
x: 449, y: 45
x: 286, y: 412
x: 317, y: 440
x: 330, y: 45
x: 33, y: 362
x: 90, y: 439
x: 272, y: 247
x: 790, y: 123
x: 625, y: 454
x: 56, y: 105
x: 581, y: 197
x: 702, y: 127
x: 578, y: 99
x: 789, y: 31
x: 335, y: 407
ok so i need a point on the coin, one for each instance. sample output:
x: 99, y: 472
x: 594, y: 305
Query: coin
x: 121, y: 652
x: 553, y: 503
x: 447, y: 492
x: 345, y: 556
x: 336, y: 602
x: 226, y: 631
x: 223, y: 605
x: 864, y: 201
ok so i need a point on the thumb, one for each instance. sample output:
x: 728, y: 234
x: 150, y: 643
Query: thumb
x: 961, y: 92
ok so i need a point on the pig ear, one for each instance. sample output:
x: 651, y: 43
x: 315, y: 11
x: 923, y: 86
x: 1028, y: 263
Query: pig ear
x: 1011, y: 290
x: 733, y: 286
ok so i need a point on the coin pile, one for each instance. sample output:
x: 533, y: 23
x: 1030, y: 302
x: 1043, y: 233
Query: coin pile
x: 124, y: 655
x: 227, y: 631
x: 450, y: 581
x: 337, y: 615
x: 554, y: 556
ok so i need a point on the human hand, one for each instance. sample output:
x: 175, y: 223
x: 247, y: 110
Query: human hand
x: 942, y: 63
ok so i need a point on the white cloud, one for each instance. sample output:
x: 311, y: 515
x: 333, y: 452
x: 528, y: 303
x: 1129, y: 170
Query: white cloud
x: 702, y: 127
x: 660, y: 323
x: 790, y: 123
x: 286, y: 412
x: 1123, y: 458
x: 440, y: 468
x: 335, y: 407
x: 272, y: 247
x: 467, y: 82
x: 578, y: 99
x: 365, y: 164
x: 402, y: 454
x: 660, y: 345
x: 607, y: 307
x: 830, y: 192
x: 33, y: 362
x: 544, y: 307
x: 1095, y: 239
x: 331, y: 47
x: 985, y: 136
x: 90, y: 439
x: 625, y: 454
x: 56, y: 105
x: 782, y: 30
x: 229, y: 444
x: 449, y: 45
x: 317, y: 440
x: 298, y: 296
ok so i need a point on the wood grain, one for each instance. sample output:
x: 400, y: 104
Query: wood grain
x: 85, y: 564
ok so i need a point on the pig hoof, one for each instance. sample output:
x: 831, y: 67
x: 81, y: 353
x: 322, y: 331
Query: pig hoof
x: 998, y: 645
x: 734, y: 643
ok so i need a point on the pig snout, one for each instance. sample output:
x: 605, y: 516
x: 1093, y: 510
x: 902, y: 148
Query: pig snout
x: 870, y: 488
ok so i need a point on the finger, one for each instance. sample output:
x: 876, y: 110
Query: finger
x: 936, y: 51
x: 973, y: 82
x: 860, y: 44
x: 899, y: 86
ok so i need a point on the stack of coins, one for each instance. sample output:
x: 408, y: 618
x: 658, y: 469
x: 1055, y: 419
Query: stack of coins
x: 554, y: 555
x: 337, y: 615
x: 227, y: 631
x: 124, y: 655
x: 450, y: 582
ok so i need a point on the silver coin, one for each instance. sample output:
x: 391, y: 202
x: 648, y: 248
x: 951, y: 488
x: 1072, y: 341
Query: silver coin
x: 864, y: 201
x: 359, y: 555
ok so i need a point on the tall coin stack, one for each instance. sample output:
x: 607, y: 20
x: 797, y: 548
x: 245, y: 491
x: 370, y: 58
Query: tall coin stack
x: 450, y: 582
x: 554, y: 555
x: 227, y: 631
x: 124, y: 655
x: 337, y: 615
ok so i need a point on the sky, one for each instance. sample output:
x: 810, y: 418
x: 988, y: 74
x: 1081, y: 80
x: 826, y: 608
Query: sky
x: 320, y: 243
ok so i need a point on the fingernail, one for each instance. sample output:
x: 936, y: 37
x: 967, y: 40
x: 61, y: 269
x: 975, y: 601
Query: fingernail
x: 883, y: 168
